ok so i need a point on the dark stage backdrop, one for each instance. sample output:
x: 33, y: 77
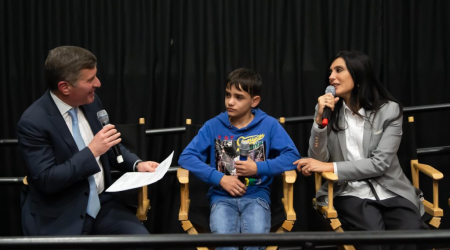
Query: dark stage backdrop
x: 168, y: 60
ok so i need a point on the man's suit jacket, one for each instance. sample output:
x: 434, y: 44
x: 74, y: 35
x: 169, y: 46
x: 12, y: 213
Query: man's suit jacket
x: 57, y: 195
x: 381, y: 140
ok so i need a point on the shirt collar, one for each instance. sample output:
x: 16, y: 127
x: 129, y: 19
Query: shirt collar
x: 62, y: 106
x: 361, y: 111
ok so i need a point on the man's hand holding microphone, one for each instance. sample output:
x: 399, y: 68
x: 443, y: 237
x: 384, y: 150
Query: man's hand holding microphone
x: 108, y: 137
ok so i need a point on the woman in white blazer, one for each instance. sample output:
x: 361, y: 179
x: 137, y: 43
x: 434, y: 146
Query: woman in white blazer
x: 360, y: 145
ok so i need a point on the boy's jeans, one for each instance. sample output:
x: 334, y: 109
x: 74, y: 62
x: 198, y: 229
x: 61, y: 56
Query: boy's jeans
x: 240, y: 215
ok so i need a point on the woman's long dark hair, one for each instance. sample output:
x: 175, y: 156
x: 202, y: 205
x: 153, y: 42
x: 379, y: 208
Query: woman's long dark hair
x: 367, y: 93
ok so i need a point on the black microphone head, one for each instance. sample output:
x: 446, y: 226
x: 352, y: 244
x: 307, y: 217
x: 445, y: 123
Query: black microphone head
x: 103, y: 117
x: 330, y: 89
x: 244, y: 148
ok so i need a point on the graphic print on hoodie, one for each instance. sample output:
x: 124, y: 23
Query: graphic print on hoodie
x: 227, y: 152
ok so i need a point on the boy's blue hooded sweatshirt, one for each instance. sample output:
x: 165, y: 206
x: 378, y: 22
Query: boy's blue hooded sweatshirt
x: 218, y: 142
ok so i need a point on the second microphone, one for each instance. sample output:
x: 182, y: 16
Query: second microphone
x: 104, y: 120
x: 327, y: 111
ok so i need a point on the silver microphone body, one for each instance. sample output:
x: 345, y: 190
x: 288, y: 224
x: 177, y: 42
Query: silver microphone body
x: 104, y: 120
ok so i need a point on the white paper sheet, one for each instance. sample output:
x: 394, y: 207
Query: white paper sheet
x: 132, y: 180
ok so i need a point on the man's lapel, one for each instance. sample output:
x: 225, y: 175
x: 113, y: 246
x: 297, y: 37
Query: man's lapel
x: 58, y: 122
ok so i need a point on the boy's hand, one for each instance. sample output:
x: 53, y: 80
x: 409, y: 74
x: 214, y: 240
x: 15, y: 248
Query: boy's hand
x: 233, y: 185
x: 246, y: 168
x: 147, y: 166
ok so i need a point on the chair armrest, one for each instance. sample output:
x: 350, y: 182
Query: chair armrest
x: 183, y: 175
x: 428, y: 170
x: 183, y: 178
x: 431, y: 208
x: 289, y: 178
x: 329, y: 176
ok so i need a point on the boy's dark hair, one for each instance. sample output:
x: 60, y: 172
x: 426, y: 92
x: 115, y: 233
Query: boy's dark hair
x: 65, y: 63
x: 245, y: 79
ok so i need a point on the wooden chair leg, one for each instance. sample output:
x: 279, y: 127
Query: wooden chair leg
x: 347, y: 247
x: 143, y: 204
x: 335, y: 224
x: 190, y: 229
x: 435, y: 222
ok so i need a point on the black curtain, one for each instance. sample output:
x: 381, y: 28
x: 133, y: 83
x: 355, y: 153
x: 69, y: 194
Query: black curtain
x: 168, y: 60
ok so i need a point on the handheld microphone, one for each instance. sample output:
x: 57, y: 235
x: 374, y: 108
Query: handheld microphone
x: 327, y: 111
x: 243, y: 153
x: 104, y: 120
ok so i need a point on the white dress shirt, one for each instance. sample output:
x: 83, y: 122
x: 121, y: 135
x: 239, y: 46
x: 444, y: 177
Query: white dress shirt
x: 86, y: 134
x: 354, y: 140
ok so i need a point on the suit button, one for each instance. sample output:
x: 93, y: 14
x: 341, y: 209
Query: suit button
x: 81, y: 217
x: 86, y: 194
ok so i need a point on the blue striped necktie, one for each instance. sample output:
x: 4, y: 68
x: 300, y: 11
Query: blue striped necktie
x: 94, y: 203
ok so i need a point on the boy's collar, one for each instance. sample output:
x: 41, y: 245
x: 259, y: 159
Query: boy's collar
x: 252, y: 114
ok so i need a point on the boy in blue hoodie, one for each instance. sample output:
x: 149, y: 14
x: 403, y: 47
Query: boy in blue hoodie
x: 240, y: 205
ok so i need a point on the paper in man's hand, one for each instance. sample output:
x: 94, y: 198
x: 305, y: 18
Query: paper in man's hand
x: 132, y: 180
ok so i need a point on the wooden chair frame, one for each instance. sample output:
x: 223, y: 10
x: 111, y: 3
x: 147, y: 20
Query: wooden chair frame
x: 329, y: 214
x: 431, y: 208
x: 143, y: 200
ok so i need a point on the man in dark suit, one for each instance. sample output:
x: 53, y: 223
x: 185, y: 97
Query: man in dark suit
x: 68, y: 156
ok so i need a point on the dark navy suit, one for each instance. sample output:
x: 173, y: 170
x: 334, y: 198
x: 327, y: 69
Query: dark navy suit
x: 55, y: 201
